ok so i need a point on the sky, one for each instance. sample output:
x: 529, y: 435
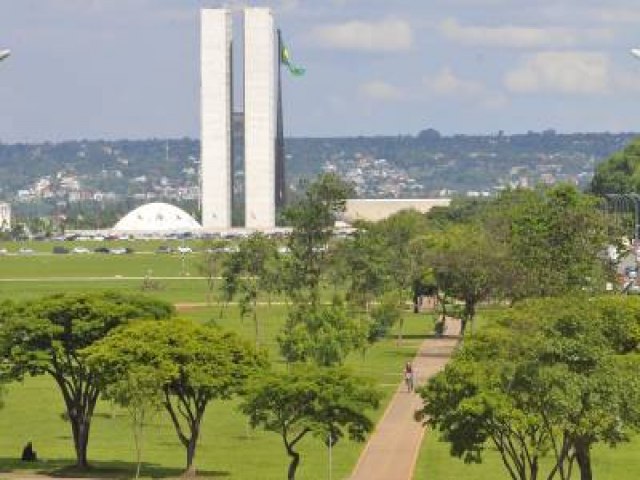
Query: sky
x: 117, y: 69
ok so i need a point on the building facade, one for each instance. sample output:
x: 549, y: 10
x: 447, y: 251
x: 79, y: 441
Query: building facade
x: 261, y: 124
x: 259, y: 118
x: 216, y: 170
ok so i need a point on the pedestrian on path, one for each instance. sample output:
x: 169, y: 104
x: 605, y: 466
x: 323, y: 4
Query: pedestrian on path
x: 408, y: 376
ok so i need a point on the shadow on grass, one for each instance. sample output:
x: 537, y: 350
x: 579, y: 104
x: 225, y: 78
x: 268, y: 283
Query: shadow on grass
x: 412, y: 336
x: 64, y: 468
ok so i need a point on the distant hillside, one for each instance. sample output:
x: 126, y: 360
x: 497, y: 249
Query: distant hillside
x: 426, y: 164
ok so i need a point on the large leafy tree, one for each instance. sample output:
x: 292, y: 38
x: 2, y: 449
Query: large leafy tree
x: 467, y: 265
x: 315, y: 332
x: 325, y: 402
x: 322, y: 334
x: 404, y: 262
x: 45, y: 336
x: 554, y: 238
x: 564, y: 350
x: 194, y: 364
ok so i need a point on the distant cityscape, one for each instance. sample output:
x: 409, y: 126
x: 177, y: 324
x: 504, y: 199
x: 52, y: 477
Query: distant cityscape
x: 69, y: 177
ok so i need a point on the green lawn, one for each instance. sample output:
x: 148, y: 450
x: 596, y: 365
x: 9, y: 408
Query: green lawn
x: 228, y: 448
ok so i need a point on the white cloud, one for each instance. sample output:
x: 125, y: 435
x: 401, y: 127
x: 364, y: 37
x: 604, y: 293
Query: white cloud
x: 511, y: 36
x: 384, y: 36
x: 447, y: 83
x: 563, y: 72
x: 379, y: 90
x: 613, y: 14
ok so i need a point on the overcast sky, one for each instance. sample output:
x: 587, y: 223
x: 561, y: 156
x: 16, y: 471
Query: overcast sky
x: 129, y: 68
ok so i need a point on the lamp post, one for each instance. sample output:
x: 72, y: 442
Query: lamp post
x: 4, y: 54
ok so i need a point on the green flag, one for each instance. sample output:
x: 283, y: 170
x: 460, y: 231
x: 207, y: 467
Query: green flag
x: 285, y: 58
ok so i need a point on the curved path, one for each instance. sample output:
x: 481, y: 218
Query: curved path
x: 392, y: 450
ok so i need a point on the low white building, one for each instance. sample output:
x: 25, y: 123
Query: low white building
x: 157, y: 218
x: 374, y: 210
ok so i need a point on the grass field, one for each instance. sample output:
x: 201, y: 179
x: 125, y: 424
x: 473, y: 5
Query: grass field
x: 228, y: 448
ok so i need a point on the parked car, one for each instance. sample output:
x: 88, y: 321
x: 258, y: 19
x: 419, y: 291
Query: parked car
x: 164, y: 249
x: 101, y: 250
x: 3, y: 251
x: 121, y: 251
x: 60, y: 250
x: 183, y: 250
x: 25, y: 251
x: 81, y: 250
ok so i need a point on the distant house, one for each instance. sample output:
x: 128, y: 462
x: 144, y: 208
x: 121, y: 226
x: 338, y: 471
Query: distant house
x: 5, y: 217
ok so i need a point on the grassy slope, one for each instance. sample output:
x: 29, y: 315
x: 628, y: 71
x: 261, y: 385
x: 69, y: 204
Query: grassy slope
x: 32, y: 413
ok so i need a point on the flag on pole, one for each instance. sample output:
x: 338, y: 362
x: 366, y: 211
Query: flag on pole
x: 285, y: 58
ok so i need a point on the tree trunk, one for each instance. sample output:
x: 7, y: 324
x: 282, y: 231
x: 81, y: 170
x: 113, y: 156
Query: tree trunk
x: 293, y: 466
x: 191, y: 452
x: 582, y: 450
x: 80, y: 429
x: 533, y: 469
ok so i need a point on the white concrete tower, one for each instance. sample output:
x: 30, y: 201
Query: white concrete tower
x: 215, y: 123
x: 260, y: 58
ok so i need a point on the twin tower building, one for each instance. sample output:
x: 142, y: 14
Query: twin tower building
x: 262, y: 133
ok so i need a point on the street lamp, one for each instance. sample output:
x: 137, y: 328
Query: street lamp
x: 4, y: 54
x: 635, y: 52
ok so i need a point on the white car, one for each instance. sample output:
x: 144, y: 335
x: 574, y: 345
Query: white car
x: 3, y: 251
x: 25, y: 251
x: 118, y: 251
x: 184, y: 250
x: 81, y: 250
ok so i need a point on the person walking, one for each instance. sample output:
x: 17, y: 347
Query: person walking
x: 408, y: 377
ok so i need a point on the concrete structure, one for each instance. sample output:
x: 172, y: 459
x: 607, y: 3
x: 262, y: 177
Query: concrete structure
x: 157, y: 218
x: 216, y: 106
x: 260, y: 118
x: 5, y: 216
x: 378, y: 209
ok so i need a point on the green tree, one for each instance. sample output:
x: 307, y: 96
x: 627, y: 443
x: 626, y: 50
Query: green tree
x: 554, y: 238
x: 210, y: 264
x: 404, y: 262
x: 310, y: 400
x: 620, y: 173
x: 312, y: 219
x: 562, y: 349
x: 248, y: 271
x: 323, y: 334
x: 194, y: 364
x: 467, y: 265
x: 137, y: 392
x: 46, y: 336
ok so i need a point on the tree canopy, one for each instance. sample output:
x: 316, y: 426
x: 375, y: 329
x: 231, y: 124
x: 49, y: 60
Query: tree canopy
x: 193, y: 365
x: 46, y: 336
x: 548, y: 380
x: 325, y: 402
x: 620, y: 173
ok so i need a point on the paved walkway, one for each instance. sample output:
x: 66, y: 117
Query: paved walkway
x: 392, y: 450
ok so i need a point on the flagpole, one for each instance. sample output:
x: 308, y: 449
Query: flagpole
x: 280, y: 192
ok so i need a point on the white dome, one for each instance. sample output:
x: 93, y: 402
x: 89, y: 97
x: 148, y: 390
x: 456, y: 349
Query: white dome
x: 157, y: 217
